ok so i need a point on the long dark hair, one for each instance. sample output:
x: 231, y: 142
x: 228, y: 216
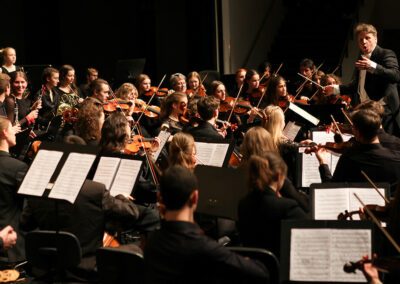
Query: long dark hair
x: 271, y: 98
x: 113, y: 134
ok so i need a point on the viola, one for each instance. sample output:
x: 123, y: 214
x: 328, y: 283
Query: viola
x: 138, y: 143
x: 114, y: 104
x: 159, y: 92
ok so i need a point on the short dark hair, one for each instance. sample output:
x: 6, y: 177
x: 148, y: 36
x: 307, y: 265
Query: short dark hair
x: 176, y: 185
x: 367, y: 122
x: 96, y: 85
x: 4, y: 82
x: 307, y: 63
x: 372, y: 105
x: 47, y: 72
x: 206, y: 107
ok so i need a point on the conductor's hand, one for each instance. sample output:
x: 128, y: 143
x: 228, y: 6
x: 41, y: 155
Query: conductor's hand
x: 363, y: 64
x: 328, y: 90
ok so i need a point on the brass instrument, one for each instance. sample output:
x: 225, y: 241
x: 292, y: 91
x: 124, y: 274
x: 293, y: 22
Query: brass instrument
x: 67, y: 102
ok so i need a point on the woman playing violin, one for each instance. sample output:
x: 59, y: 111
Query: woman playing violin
x: 276, y: 93
x: 195, y: 85
x: 251, y: 91
x: 172, y: 108
x: 182, y: 151
x: 127, y: 92
x: 178, y: 82
x: 264, y: 70
x: 143, y: 85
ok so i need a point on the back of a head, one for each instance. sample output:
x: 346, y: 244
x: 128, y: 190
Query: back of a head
x: 176, y: 185
x: 256, y: 141
x: 367, y: 122
x: 206, y: 107
x: 373, y: 106
x: 4, y: 124
x: 263, y: 170
x: 4, y: 82
x: 181, y: 150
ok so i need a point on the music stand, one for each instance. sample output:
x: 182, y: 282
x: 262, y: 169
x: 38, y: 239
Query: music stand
x: 220, y: 190
x: 129, y: 69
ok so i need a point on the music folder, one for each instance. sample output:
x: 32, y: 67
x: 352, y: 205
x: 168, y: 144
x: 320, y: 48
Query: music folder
x: 220, y: 190
x: 316, y: 251
x: 58, y: 171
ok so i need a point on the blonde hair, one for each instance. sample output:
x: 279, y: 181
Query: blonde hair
x: 181, y: 150
x: 273, y: 123
x: 362, y: 27
x: 5, y: 50
x: 256, y: 141
x: 125, y: 90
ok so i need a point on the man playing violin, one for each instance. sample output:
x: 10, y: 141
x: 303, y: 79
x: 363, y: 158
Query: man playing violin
x: 367, y: 154
x: 377, y: 75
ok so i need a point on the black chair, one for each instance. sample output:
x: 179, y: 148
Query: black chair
x: 51, y: 253
x: 270, y: 261
x: 119, y: 266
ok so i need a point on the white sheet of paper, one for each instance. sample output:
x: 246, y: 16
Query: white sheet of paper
x: 125, y: 178
x: 310, y: 170
x: 367, y: 195
x: 322, y: 137
x: 106, y: 170
x: 304, y: 114
x: 330, y: 202
x: 319, y: 254
x: 291, y: 130
x: 72, y: 176
x: 211, y: 154
x: 40, y: 172
x: 163, y: 136
x: 334, y: 160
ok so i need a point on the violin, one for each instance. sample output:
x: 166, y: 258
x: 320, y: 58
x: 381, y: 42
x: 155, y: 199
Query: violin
x: 151, y: 111
x: 159, y: 92
x: 197, y: 93
x: 138, y: 143
x: 381, y: 212
x: 110, y: 241
x: 114, y: 104
x: 257, y: 92
x: 241, y: 107
x: 383, y: 264
x: 340, y: 99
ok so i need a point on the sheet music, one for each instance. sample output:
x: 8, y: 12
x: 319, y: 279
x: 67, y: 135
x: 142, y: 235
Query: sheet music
x: 334, y: 160
x: 40, y: 172
x: 310, y: 170
x: 367, y: 195
x: 304, y: 114
x: 211, y: 154
x: 125, y: 178
x: 329, y: 202
x: 163, y: 136
x: 322, y: 137
x: 319, y: 254
x: 106, y: 170
x: 291, y: 130
x: 72, y: 176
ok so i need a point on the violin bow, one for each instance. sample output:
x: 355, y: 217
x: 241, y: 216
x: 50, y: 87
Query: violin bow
x: 151, y: 98
x: 337, y: 127
x: 379, y: 224
x: 300, y: 88
x: 277, y: 70
x: 236, y: 100
x: 153, y: 173
x: 347, y: 117
x: 375, y: 187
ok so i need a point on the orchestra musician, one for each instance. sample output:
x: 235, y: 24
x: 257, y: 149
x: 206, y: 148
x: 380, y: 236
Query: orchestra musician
x: 177, y: 82
x: 143, y: 85
x: 173, y: 106
x: 264, y: 69
x: 50, y: 98
x: 91, y: 75
x: 306, y: 68
x: 182, y: 151
x: 5, y: 91
x: 194, y: 82
x: 262, y: 210
x: 179, y: 252
x: 12, y: 172
x: 379, y: 163
x: 18, y: 103
x: 240, y: 75
x: 376, y: 78
x: 100, y: 90
x: 250, y: 87
x: 67, y: 89
x: 9, y: 57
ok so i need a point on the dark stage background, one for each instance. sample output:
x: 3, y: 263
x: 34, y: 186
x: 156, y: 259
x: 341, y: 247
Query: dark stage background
x: 174, y: 36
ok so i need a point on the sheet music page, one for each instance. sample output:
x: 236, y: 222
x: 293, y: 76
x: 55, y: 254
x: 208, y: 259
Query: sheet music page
x: 330, y: 202
x: 72, y: 176
x: 310, y: 170
x: 291, y: 130
x: 348, y: 245
x: 219, y: 155
x: 346, y: 137
x: 125, y: 177
x: 163, y: 136
x: 211, y: 154
x: 319, y: 254
x: 321, y: 137
x: 40, y: 172
x: 367, y: 195
x: 304, y: 114
x: 334, y: 160
x: 309, y: 255
x: 106, y: 170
